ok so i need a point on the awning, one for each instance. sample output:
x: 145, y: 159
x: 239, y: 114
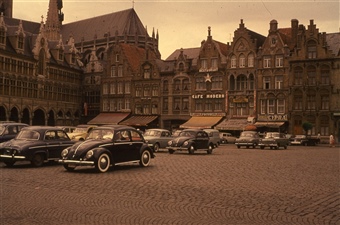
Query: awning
x: 138, y: 120
x: 108, y: 118
x: 201, y: 122
x: 269, y: 124
x: 232, y: 124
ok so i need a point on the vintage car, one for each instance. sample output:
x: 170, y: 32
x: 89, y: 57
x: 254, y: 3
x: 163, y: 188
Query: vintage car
x: 81, y: 131
x: 157, y: 138
x: 191, y: 140
x: 214, y: 136
x: 305, y: 140
x: 248, y: 139
x: 8, y: 130
x: 67, y: 129
x: 274, y: 140
x: 227, y: 138
x: 36, y: 144
x: 108, y: 145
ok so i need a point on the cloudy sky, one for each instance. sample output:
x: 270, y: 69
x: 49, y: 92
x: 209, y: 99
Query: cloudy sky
x: 184, y: 23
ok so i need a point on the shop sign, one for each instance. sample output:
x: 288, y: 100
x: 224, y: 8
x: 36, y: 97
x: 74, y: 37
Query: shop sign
x: 240, y: 99
x: 275, y: 117
x: 208, y: 96
x: 207, y: 114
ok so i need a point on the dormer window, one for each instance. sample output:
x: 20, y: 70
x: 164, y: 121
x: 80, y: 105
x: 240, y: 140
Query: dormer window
x: 2, y: 35
x: 147, y: 72
x: 61, y: 54
x: 311, y: 50
x: 21, y: 41
x: 181, y: 67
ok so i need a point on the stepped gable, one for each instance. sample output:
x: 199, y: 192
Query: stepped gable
x: 123, y: 22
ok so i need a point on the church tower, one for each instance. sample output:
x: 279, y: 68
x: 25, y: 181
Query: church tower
x: 54, y: 20
x: 6, y: 8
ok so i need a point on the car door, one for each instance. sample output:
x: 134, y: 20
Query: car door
x: 121, y: 150
x: 52, y: 144
x: 202, y: 140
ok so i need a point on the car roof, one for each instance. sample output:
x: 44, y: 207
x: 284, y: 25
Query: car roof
x: 42, y: 128
x: 12, y: 123
x: 158, y: 129
x: 116, y: 127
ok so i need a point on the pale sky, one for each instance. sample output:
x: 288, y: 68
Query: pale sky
x: 184, y: 23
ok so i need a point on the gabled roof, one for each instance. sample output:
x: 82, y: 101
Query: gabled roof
x: 259, y: 37
x: 134, y: 55
x: 191, y: 53
x: 126, y: 21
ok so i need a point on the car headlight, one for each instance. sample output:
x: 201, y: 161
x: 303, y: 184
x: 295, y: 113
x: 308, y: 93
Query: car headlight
x: 169, y: 142
x: 89, y: 154
x: 185, y: 143
x: 64, y: 153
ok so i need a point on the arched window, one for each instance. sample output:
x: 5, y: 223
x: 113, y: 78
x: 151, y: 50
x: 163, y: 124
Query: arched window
x: 241, y: 83
x: 325, y: 75
x: 41, y: 63
x: 233, y: 62
x: 242, y: 61
x: 298, y: 76
x: 311, y: 75
x: 251, y: 60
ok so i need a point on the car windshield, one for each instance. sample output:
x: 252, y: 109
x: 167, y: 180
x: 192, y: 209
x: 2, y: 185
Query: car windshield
x: 272, y: 135
x: 100, y: 134
x: 155, y: 133
x: 28, y: 135
x: 187, y: 134
x: 246, y: 135
x: 300, y: 136
x: 2, y: 129
x: 80, y: 130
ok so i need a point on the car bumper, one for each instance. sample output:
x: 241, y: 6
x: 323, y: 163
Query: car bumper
x: 12, y: 157
x: 76, y: 162
x: 268, y: 144
x: 177, y: 148
x: 244, y: 143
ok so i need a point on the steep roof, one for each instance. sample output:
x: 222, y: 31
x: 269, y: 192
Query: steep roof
x: 126, y: 21
x: 191, y: 53
x: 333, y: 42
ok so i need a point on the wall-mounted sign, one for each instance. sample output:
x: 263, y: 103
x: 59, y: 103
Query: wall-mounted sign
x: 207, y: 114
x: 240, y: 99
x: 208, y: 96
x: 274, y: 117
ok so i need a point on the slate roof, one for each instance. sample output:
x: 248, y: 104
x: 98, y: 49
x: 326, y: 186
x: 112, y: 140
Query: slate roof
x: 126, y: 21
x: 333, y: 42
x: 191, y: 53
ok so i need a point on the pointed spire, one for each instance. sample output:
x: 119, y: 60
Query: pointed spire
x: 52, y: 21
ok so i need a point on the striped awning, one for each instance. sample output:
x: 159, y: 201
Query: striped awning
x: 138, y: 120
x: 201, y: 122
x: 108, y: 118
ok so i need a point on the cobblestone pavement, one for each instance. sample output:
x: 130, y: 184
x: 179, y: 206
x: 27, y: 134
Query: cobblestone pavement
x: 299, y: 185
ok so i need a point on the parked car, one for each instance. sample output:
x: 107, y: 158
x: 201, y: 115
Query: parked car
x: 108, y: 145
x: 191, y: 140
x: 305, y: 140
x: 35, y: 144
x: 81, y: 131
x: 157, y: 138
x: 68, y: 129
x: 248, y: 139
x: 274, y: 140
x: 227, y: 138
x: 8, y: 130
x: 214, y: 136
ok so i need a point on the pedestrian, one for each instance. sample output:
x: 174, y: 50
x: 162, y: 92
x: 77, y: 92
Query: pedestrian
x: 331, y: 141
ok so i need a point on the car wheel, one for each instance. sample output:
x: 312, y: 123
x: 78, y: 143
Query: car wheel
x: 69, y: 168
x: 210, y: 149
x: 156, y: 147
x: 171, y: 151
x: 38, y: 160
x: 191, y: 149
x: 103, y: 163
x: 285, y: 147
x: 9, y: 164
x: 238, y: 146
x: 145, y: 158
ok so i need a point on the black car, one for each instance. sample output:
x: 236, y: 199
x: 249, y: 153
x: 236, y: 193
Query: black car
x: 8, y: 130
x: 108, y: 145
x: 191, y: 140
x: 35, y: 144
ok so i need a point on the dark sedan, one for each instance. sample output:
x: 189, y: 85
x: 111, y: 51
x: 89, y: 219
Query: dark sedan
x: 8, y: 130
x: 108, y: 145
x: 191, y: 140
x: 35, y: 144
x: 248, y: 139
